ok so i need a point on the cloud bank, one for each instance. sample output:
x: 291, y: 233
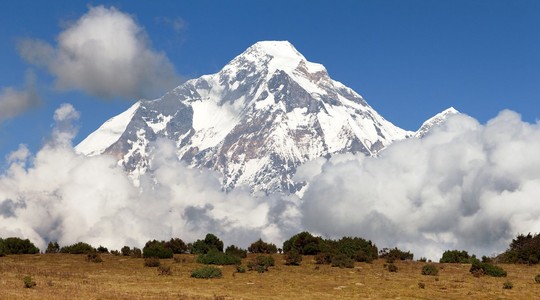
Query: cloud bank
x: 464, y: 186
x: 106, y: 54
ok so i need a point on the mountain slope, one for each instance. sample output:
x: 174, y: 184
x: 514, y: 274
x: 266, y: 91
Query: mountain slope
x: 266, y: 112
x: 435, y: 121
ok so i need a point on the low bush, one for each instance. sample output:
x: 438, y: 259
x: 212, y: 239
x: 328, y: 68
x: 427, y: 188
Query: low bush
x: 342, y: 261
x: 78, y: 248
x: 430, y: 270
x: 507, y: 285
x: 395, y: 254
x: 207, y: 272
x: 293, y: 258
x: 240, y: 269
x: 152, y: 262
x: 324, y: 258
x: 156, y: 249
x: 479, y: 268
x: 537, y: 278
x: 215, y: 257
x: 392, y: 268
x: 94, y: 257
x: 15, y: 245
x: 164, y: 270
x: 102, y: 249
x: 28, y: 282
x: 126, y: 251
x: 421, y: 285
x: 456, y: 256
x: 261, y: 263
x: 236, y: 251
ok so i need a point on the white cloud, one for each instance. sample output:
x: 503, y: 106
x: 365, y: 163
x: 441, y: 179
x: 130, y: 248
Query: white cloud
x: 106, y: 54
x: 16, y: 101
x: 465, y: 186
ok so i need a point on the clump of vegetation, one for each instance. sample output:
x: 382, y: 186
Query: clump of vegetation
x: 262, y: 247
x: 29, y: 282
x: 356, y: 248
x: 392, y: 255
x: 152, y: 262
x: 421, y: 285
x: 236, y: 251
x: 391, y: 267
x: 207, y: 272
x: 126, y: 251
x: 215, y: 257
x: 422, y: 259
x: 507, y: 285
x: 341, y: 260
x: 204, y: 246
x: 240, y: 269
x: 156, y: 249
x: 524, y: 249
x: 15, y: 245
x: 164, y: 270
x: 304, y: 243
x: 177, y: 245
x: 537, y: 278
x: 261, y: 263
x: 115, y: 252
x: 293, y: 258
x: 52, y: 247
x: 324, y: 258
x: 430, y: 270
x: 456, y: 256
x: 102, y: 249
x: 78, y: 248
x: 136, y: 253
x: 480, y: 268
x: 94, y: 257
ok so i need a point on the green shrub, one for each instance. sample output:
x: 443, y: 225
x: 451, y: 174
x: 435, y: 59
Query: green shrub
x: 210, y: 242
x: 215, y: 257
x: 238, y: 252
x: 357, y: 248
x: 262, y: 247
x: 78, y: 248
x: 240, y: 269
x: 52, y: 247
x: 102, y: 249
x: 430, y: 270
x: 261, y: 263
x: 324, y: 258
x: 94, y: 257
x: 395, y: 254
x: 156, y: 249
x: 126, y: 251
x: 537, y: 278
x: 456, y: 256
x: 15, y: 245
x: 479, y: 268
x: 392, y: 268
x: 341, y: 260
x: 304, y: 243
x: 152, y: 262
x: 206, y: 272
x: 28, y: 282
x: 164, y: 270
x: 115, y: 252
x: 293, y: 258
x: 507, y: 285
x: 422, y: 259
x: 523, y: 249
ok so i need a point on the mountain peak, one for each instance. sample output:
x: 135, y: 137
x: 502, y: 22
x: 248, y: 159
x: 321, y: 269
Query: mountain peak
x: 276, y: 49
x: 435, y: 121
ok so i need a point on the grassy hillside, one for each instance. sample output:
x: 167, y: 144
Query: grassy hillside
x: 67, y: 276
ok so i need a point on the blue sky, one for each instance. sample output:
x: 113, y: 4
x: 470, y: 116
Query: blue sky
x: 409, y: 59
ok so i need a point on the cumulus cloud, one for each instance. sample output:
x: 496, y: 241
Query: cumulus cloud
x: 15, y: 101
x: 465, y: 186
x: 60, y: 195
x: 106, y: 54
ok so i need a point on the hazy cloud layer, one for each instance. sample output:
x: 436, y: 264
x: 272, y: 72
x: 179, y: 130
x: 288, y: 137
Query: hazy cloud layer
x: 106, y: 54
x: 465, y: 186
x: 15, y: 101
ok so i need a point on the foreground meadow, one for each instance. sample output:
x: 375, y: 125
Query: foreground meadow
x: 68, y: 276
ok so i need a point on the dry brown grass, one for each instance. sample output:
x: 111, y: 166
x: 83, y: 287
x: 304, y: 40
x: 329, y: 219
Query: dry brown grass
x: 65, y: 276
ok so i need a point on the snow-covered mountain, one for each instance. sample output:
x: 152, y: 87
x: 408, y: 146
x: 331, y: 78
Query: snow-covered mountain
x: 435, y: 121
x: 255, y: 121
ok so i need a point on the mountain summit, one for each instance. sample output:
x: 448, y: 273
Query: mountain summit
x: 255, y: 121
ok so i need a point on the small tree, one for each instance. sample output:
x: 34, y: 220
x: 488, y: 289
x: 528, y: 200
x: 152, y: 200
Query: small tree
x: 238, y: 252
x: 52, y: 247
x: 126, y: 251
x: 210, y: 242
x: 177, y: 246
x: 261, y: 247
x: 456, y: 256
x: 156, y: 249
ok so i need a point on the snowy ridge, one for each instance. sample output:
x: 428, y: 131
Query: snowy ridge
x: 434, y: 122
x: 255, y: 121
